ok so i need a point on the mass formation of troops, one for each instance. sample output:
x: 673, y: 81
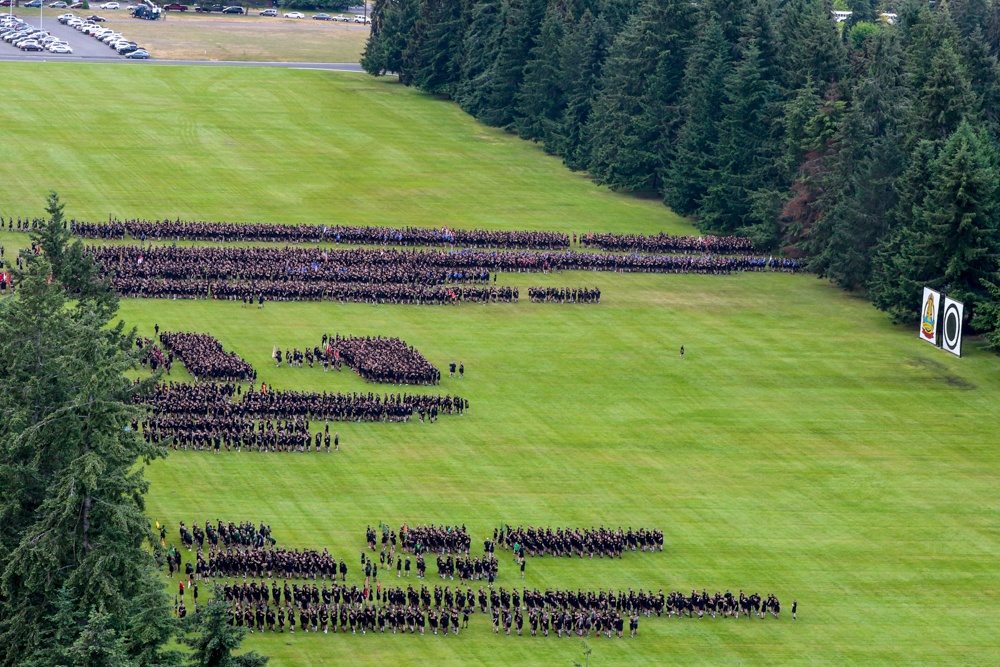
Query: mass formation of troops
x: 578, y: 541
x: 564, y: 294
x: 205, y: 358
x: 180, y: 230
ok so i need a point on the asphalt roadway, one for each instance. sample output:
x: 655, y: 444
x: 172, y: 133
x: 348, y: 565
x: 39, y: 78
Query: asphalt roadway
x: 89, y: 50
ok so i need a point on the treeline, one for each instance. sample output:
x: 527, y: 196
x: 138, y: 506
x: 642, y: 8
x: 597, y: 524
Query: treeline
x: 867, y: 149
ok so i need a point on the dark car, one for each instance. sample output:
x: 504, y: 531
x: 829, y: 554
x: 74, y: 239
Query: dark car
x: 175, y: 7
x: 96, y: 19
x: 232, y: 10
x: 139, y: 54
x: 323, y: 17
x: 32, y: 46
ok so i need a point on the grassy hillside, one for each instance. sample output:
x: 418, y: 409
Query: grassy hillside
x: 245, y: 144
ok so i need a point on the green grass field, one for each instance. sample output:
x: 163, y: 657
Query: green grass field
x: 805, y: 446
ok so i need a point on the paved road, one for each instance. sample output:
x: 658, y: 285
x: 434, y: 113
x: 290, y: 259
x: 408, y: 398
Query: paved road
x: 111, y: 57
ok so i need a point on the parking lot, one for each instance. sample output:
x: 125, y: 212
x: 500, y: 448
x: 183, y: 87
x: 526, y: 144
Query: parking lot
x: 194, y: 36
x: 82, y: 45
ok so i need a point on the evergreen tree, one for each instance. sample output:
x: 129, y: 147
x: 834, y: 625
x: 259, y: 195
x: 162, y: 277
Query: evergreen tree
x: 215, y: 639
x: 970, y: 16
x: 962, y: 216
x: 746, y: 153
x: 692, y: 169
x: 392, y: 24
x: 99, y: 645
x: 862, y: 11
x: 481, y: 47
x: 71, y: 496
x: 952, y: 242
x: 809, y: 45
x: 945, y: 97
x: 987, y: 316
x: 584, y: 50
x: 859, y: 193
x: 541, y: 100
x: 501, y: 81
x: 636, y: 110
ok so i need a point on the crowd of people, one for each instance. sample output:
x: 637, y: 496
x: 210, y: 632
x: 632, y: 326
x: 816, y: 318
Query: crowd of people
x: 229, y: 534
x: 181, y: 230
x: 361, y: 611
x: 379, y: 359
x: 204, y: 357
x: 151, y: 356
x: 301, y: 290
x: 424, y: 538
x: 216, y: 416
x: 579, y: 542
x: 228, y: 400
x: 370, y: 276
x: 720, y: 245
x: 564, y: 294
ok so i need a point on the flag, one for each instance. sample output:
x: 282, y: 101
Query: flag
x: 929, y: 315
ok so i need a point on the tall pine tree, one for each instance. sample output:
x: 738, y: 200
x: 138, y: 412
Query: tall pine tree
x: 636, y: 112
x: 693, y: 167
x: 71, y: 494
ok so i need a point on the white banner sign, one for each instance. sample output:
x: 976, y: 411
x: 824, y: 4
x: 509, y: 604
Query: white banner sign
x: 929, y: 315
x: 951, y: 326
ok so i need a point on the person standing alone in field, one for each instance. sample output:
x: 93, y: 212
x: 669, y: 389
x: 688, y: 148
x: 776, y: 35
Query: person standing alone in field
x: 682, y: 351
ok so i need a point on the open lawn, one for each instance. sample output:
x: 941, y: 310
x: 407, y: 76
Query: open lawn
x: 259, y: 144
x: 804, y: 447
x: 191, y: 36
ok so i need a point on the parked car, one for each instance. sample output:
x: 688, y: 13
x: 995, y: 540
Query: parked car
x: 232, y: 10
x: 267, y: 12
x: 60, y: 48
x: 110, y: 5
x: 32, y: 46
x: 96, y: 19
x: 175, y: 7
x: 322, y: 17
x: 294, y: 15
x: 358, y: 18
x: 34, y: 3
x: 76, y: 5
x: 139, y: 54
x: 125, y: 49
x: 58, y: 5
x: 340, y: 17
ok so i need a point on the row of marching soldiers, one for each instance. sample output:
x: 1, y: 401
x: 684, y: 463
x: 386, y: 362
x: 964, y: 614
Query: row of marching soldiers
x: 564, y: 295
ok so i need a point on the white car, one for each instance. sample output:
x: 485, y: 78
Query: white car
x: 294, y: 15
x: 60, y: 48
x: 362, y: 19
x: 66, y: 16
x: 110, y: 5
x: 339, y: 17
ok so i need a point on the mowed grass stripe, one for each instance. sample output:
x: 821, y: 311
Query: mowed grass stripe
x: 244, y: 144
